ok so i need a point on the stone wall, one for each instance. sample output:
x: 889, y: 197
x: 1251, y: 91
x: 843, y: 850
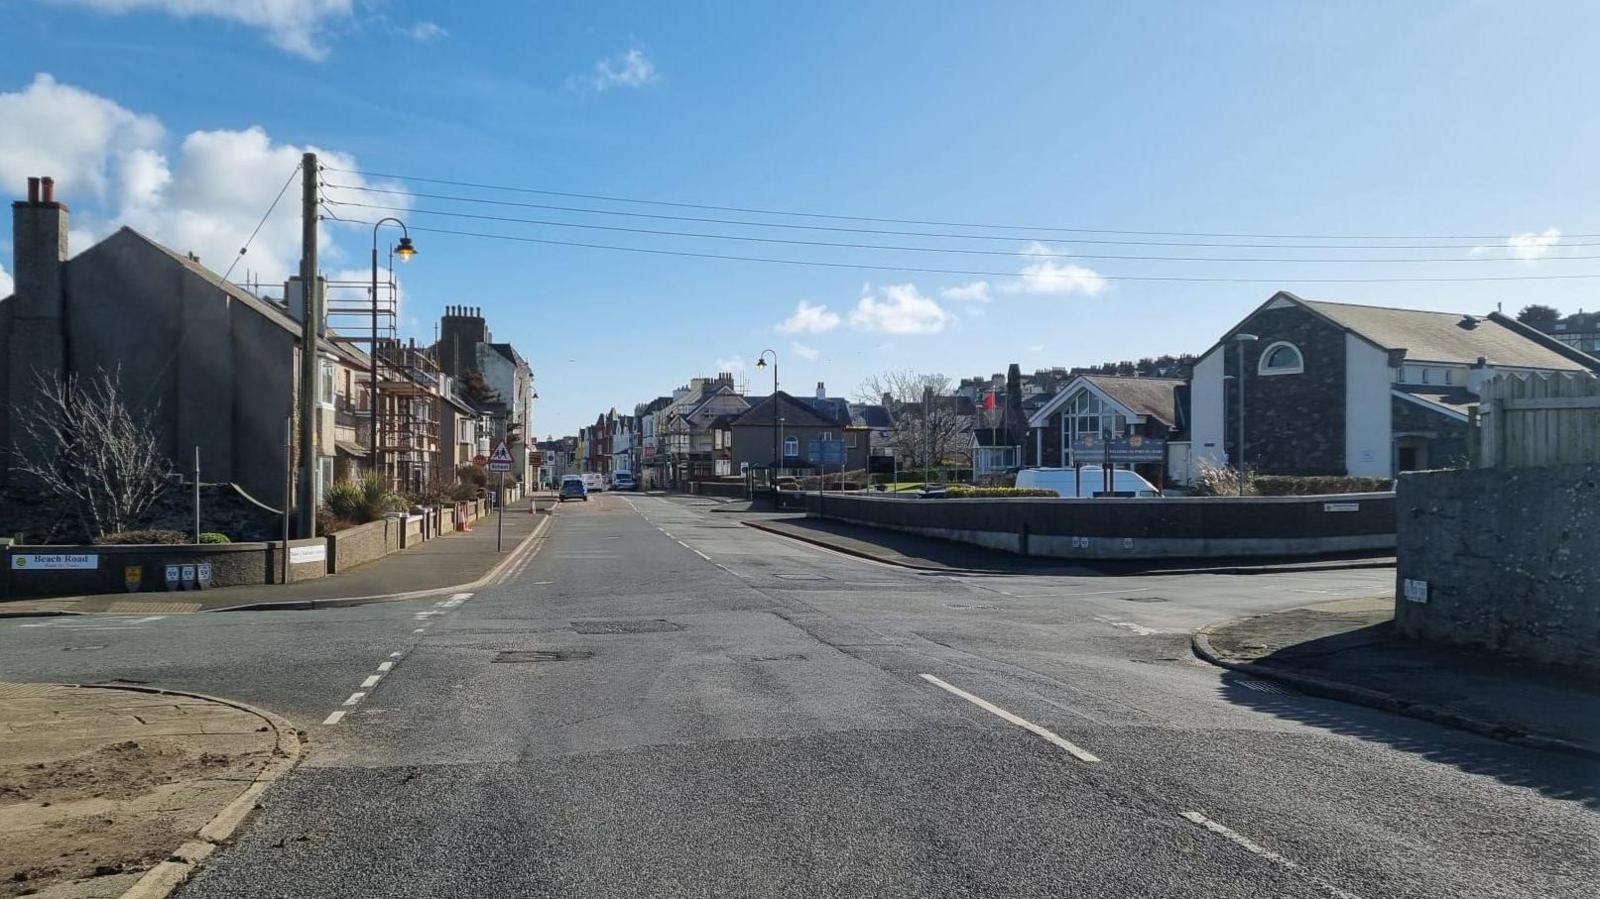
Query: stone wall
x: 231, y: 564
x: 1509, y: 560
x: 1294, y: 424
x: 362, y: 544
x: 1166, y: 528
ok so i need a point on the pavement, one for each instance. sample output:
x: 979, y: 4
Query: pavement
x: 107, y: 790
x: 659, y: 701
x: 441, y: 564
x: 1349, y: 649
x: 936, y: 555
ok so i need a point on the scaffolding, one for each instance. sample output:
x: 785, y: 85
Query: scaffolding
x: 408, y: 425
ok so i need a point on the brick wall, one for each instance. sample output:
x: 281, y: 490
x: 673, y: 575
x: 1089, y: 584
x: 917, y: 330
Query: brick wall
x: 1509, y: 557
x: 1294, y: 424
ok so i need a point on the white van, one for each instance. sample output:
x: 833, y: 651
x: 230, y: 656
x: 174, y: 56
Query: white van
x: 1085, y: 482
x: 623, y: 480
x: 594, y: 480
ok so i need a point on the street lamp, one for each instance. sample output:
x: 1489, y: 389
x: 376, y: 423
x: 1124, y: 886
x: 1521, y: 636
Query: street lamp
x: 1241, y: 340
x: 761, y: 362
x: 405, y: 251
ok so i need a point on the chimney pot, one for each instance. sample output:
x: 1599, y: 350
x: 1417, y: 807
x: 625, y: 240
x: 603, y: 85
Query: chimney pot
x: 33, y: 190
x: 48, y: 186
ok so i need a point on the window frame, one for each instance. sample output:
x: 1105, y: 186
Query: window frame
x: 787, y: 454
x: 1262, y: 368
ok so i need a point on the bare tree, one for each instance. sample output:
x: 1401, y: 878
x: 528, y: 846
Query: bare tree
x: 929, y: 426
x: 87, y: 449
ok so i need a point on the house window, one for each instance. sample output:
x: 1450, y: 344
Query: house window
x: 325, y: 382
x: 826, y: 435
x: 1281, y: 358
x: 1089, y: 416
x: 791, y: 446
x: 850, y: 439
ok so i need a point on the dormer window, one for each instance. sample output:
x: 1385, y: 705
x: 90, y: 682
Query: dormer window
x: 1281, y: 358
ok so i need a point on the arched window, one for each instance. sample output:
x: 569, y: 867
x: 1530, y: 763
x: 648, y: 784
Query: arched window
x: 1281, y: 358
x: 791, y: 446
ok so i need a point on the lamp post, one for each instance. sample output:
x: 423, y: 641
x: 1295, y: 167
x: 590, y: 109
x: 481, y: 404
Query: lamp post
x: 405, y: 251
x: 777, y: 436
x: 1242, y: 340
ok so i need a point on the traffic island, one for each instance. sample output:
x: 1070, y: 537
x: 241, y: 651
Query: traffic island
x: 1349, y: 650
x: 116, y: 791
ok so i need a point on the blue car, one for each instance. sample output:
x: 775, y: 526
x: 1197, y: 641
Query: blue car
x: 573, y: 488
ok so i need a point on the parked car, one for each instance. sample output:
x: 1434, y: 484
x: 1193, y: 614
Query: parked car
x: 572, y: 487
x: 594, y: 480
x: 1085, y: 481
x: 623, y: 480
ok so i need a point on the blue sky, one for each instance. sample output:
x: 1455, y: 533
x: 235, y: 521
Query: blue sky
x: 184, y: 117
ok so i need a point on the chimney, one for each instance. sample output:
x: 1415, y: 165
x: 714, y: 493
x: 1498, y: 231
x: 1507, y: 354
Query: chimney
x: 822, y: 391
x: 37, y: 340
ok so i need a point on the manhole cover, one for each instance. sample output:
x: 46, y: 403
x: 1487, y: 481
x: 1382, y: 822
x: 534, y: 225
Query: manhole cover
x: 786, y: 657
x: 626, y: 626
x: 1145, y: 599
x: 802, y: 577
x: 83, y: 648
x: 543, y: 655
x: 1262, y: 686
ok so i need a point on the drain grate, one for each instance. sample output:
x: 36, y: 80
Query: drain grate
x: 627, y: 626
x: 1145, y: 599
x: 543, y: 655
x: 1261, y: 686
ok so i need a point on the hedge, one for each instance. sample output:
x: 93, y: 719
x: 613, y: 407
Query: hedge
x: 1314, y: 485
x: 960, y: 491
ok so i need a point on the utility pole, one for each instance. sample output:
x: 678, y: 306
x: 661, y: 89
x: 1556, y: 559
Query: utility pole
x: 197, y: 494
x: 311, y: 310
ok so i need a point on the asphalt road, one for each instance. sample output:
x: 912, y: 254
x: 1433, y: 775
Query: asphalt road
x: 661, y: 702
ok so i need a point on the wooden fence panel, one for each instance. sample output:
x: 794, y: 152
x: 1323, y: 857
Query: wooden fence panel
x: 1529, y: 420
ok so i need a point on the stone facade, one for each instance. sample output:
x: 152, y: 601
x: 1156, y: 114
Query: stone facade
x: 1508, y: 557
x: 1295, y: 423
x: 1438, y: 440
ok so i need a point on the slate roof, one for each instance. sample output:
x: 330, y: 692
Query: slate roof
x: 870, y: 415
x: 795, y: 413
x: 1454, y: 399
x: 1428, y: 336
x: 1150, y: 397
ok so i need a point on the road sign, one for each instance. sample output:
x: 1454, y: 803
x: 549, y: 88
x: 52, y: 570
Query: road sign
x: 825, y: 452
x: 501, y: 460
x: 480, y: 459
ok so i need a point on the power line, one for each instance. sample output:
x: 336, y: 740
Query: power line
x: 262, y: 223
x: 868, y: 246
x: 899, y: 221
x: 993, y: 274
x: 893, y: 232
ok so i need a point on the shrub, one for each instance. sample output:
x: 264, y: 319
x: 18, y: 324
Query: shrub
x: 328, y: 523
x: 1315, y: 485
x: 962, y: 491
x: 213, y: 537
x: 1219, y: 480
x: 129, y: 538
x: 361, y: 501
x: 463, y: 493
x: 473, y: 473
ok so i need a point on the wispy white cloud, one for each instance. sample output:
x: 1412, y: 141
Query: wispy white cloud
x: 971, y: 292
x: 899, y: 309
x: 810, y: 319
x: 1049, y: 276
x: 630, y: 69
x: 297, y: 26
x: 731, y: 364
x: 426, y: 32
x: 5, y: 283
x: 808, y: 353
x: 1534, y: 244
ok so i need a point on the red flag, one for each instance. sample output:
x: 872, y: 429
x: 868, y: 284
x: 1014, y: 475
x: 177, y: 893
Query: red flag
x: 988, y: 402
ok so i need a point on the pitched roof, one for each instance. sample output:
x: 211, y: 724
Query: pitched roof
x: 1429, y: 336
x: 870, y: 415
x: 795, y: 414
x: 1452, y: 401
x: 1151, y: 397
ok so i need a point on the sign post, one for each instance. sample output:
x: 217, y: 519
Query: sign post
x: 501, y: 462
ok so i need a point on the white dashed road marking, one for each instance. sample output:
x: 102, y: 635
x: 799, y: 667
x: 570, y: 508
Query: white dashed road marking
x: 1250, y: 845
x: 443, y: 606
x: 385, y: 666
x: 354, y: 698
x: 1074, y: 749
x: 372, y: 680
x: 334, y: 718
